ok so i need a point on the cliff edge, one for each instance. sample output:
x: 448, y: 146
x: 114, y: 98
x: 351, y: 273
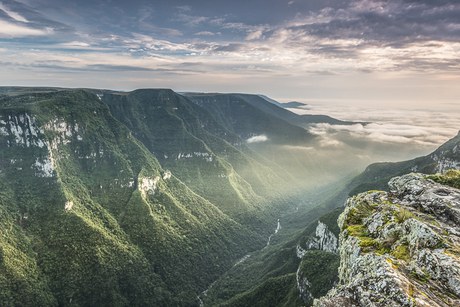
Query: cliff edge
x: 401, y: 248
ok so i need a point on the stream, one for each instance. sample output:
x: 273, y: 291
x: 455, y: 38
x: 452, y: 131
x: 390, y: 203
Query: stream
x: 278, y: 227
x: 241, y: 260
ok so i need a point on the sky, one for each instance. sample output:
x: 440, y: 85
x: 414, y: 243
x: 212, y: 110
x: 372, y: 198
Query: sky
x: 361, y: 54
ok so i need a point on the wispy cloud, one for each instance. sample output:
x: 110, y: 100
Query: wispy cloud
x: 13, y: 30
x: 14, y: 15
x: 387, y: 133
x: 420, y: 130
x: 254, y: 35
x: 361, y: 36
x: 205, y: 33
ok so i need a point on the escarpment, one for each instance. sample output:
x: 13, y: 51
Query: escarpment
x: 400, y: 248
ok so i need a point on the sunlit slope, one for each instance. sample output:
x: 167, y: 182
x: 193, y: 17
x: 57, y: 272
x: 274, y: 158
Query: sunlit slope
x: 279, y: 136
x: 204, y: 154
x: 89, y: 217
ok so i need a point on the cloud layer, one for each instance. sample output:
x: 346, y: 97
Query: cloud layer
x: 398, y: 133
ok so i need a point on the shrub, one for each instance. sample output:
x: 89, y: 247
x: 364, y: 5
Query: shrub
x: 357, y: 230
x: 359, y: 213
x: 368, y: 244
x: 403, y: 215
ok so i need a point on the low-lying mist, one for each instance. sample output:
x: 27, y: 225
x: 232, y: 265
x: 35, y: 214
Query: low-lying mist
x: 419, y: 129
x: 340, y: 151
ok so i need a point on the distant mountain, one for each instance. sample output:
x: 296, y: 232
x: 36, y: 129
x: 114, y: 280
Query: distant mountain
x: 250, y: 115
x: 20, y: 90
x: 278, y: 135
x: 294, y: 105
x: 266, y: 105
x: 304, y: 120
x: 286, y: 105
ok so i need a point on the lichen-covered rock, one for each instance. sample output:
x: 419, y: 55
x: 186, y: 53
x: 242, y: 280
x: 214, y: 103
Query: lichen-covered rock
x: 420, y: 235
x: 400, y: 248
x: 428, y: 197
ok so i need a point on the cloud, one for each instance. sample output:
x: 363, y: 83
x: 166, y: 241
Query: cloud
x: 312, y: 51
x: 393, y: 23
x: 75, y: 44
x: 184, y: 8
x: 427, y: 134
x: 205, y: 33
x: 377, y: 35
x: 234, y: 47
x: 14, y: 15
x: 12, y: 30
x: 359, y: 36
x: 383, y: 141
x: 254, y: 35
x: 257, y: 139
x: 111, y: 67
x: 329, y: 142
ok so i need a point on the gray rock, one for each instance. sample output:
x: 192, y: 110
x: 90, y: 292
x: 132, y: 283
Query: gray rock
x: 429, y: 197
x: 324, y: 239
x: 404, y: 252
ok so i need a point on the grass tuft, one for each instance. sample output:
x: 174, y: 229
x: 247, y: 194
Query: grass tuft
x: 401, y: 252
x: 403, y: 215
x: 450, y: 178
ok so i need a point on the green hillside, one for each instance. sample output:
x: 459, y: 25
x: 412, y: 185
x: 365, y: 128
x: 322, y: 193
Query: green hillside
x: 90, y: 216
x: 210, y: 159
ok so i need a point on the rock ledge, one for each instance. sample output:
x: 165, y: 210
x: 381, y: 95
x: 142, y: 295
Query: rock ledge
x: 400, y: 248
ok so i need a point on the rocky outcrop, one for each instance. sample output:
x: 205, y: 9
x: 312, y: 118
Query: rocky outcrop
x: 400, y: 248
x: 318, y: 251
x: 323, y: 239
x: 303, y: 286
x: 21, y: 130
x: 148, y: 185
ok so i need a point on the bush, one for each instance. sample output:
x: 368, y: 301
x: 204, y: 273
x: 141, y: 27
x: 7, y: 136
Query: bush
x: 359, y: 213
x: 357, y: 231
x: 403, y: 215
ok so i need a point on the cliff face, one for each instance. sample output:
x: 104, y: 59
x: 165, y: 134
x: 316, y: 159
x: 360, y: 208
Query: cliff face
x: 323, y: 240
x: 400, y: 248
x: 317, y: 270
